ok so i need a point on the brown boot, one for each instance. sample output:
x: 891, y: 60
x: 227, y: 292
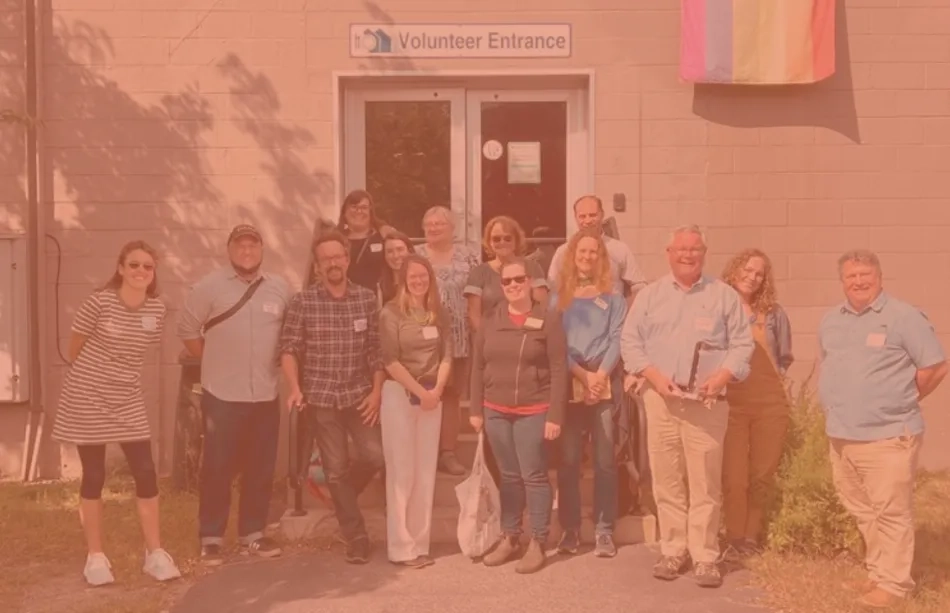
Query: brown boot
x: 533, y: 559
x: 862, y: 586
x: 879, y: 599
x: 505, y: 551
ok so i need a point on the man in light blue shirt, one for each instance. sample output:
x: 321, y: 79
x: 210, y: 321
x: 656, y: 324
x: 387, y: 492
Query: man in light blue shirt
x: 239, y: 395
x: 688, y: 336
x: 879, y: 358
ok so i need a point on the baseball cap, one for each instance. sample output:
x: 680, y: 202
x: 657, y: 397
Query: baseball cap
x: 242, y: 230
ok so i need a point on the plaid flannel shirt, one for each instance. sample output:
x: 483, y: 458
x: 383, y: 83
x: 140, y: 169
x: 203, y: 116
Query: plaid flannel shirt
x: 336, y: 343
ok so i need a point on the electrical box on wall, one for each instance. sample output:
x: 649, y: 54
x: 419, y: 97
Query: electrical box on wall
x: 14, y: 321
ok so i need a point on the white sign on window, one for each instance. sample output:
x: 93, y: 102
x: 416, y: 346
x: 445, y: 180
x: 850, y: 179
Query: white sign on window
x: 524, y: 162
x: 436, y: 40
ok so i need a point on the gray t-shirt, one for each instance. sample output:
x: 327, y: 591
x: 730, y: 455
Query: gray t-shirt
x: 485, y: 281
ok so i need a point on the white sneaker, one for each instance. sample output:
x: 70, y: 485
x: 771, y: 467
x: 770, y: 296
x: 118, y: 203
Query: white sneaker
x: 160, y: 566
x: 98, y: 570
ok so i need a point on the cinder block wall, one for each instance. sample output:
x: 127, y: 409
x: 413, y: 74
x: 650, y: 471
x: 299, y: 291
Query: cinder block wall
x: 171, y: 120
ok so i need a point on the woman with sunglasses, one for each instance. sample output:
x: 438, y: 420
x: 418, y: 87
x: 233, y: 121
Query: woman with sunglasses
x: 396, y: 248
x: 416, y: 345
x: 358, y: 222
x: 504, y: 240
x: 519, y: 393
x: 593, y: 317
x: 102, y: 402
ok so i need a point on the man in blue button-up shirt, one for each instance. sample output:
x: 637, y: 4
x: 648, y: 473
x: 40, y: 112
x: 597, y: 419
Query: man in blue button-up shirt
x: 688, y: 336
x: 879, y: 358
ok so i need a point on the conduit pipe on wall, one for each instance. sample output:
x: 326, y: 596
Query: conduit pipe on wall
x: 37, y: 415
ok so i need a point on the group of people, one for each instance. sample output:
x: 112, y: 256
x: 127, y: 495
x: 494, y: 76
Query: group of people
x: 387, y: 337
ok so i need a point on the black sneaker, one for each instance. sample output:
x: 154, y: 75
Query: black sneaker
x: 604, y: 546
x: 669, y: 568
x: 357, y: 551
x: 211, y: 555
x: 707, y: 574
x: 264, y: 547
x: 570, y: 542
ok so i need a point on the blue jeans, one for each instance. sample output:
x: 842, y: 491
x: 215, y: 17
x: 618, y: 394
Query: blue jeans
x: 580, y: 420
x: 348, y: 473
x: 239, y: 438
x: 517, y: 442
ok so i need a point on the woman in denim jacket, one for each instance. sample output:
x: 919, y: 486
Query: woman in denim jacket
x: 759, y: 407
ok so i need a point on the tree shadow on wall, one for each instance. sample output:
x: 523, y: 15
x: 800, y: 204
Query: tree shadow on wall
x: 12, y: 132
x: 256, y: 106
x: 122, y: 158
x: 827, y: 104
x: 386, y: 64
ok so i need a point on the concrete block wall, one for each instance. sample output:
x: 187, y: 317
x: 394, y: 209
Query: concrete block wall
x: 171, y: 120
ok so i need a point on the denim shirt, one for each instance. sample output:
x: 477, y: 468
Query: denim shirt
x: 778, y: 333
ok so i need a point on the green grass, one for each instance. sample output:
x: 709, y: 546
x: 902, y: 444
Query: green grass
x: 43, y: 549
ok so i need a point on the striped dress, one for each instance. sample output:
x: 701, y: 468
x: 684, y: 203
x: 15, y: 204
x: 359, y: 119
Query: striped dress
x: 102, y: 401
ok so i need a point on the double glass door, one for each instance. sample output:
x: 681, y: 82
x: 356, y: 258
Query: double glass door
x: 482, y: 153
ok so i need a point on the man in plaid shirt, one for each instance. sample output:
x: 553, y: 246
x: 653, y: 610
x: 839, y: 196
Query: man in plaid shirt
x: 329, y: 349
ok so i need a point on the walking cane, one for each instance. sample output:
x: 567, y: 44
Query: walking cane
x: 297, y: 467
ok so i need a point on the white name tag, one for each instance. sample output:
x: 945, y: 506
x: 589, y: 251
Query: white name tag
x: 272, y: 307
x: 600, y: 303
x: 376, y: 247
x: 704, y: 324
x: 533, y: 323
x: 876, y: 339
x: 430, y: 332
x: 149, y: 322
x: 359, y: 325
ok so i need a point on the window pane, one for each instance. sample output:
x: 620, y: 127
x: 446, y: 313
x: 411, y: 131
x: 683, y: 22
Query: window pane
x: 408, y: 160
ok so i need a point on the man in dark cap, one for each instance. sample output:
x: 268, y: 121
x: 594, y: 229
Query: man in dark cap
x: 231, y: 320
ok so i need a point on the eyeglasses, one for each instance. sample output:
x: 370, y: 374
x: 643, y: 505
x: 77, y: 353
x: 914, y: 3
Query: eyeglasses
x: 332, y: 259
x: 358, y: 208
x: 688, y: 250
x: 137, y: 265
x: 502, y: 238
x: 506, y: 281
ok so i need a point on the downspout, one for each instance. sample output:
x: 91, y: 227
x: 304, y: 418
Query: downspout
x: 37, y: 415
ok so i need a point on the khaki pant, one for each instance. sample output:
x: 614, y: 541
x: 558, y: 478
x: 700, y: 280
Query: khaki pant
x: 751, y: 454
x: 684, y: 440
x: 875, y: 481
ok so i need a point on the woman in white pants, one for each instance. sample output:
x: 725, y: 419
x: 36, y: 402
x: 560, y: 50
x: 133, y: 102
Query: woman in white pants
x: 416, y: 342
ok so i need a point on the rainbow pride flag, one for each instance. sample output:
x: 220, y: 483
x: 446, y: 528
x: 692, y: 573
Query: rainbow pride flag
x: 758, y: 42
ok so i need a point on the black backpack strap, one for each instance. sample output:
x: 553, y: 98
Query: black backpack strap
x: 237, y: 306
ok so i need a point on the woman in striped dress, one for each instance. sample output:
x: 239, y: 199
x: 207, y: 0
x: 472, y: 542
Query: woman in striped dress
x: 102, y: 402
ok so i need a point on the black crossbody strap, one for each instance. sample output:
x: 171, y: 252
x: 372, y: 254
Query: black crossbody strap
x: 237, y: 306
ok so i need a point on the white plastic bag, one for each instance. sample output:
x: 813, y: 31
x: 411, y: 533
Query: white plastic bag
x: 480, y: 507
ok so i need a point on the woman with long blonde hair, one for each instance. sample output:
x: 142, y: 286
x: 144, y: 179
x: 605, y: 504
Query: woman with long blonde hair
x: 416, y: 344
x: 758, y: 406
x: 592, y: 315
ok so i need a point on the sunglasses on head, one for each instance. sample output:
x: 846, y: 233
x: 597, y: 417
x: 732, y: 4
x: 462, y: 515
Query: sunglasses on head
x: 506, y: 281
x: 137, y: 265
x: 502, y: 238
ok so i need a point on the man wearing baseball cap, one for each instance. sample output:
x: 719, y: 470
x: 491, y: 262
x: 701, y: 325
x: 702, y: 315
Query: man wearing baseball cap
x: 231, y: 319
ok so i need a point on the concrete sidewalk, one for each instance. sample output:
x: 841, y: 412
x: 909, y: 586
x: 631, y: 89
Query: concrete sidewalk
x: 322, y: 582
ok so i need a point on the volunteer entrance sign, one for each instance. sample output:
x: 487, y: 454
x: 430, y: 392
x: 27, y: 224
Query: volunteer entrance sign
x: 436, y: 40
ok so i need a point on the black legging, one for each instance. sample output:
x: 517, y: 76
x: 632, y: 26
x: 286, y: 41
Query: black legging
x: 139, y: 456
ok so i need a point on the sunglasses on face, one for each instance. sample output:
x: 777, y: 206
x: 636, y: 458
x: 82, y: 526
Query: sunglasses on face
x: 502, y: 238
x: 506, y: 281
x: 137, y: 265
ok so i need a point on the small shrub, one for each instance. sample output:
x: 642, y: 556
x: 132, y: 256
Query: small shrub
x: 805, y: 513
